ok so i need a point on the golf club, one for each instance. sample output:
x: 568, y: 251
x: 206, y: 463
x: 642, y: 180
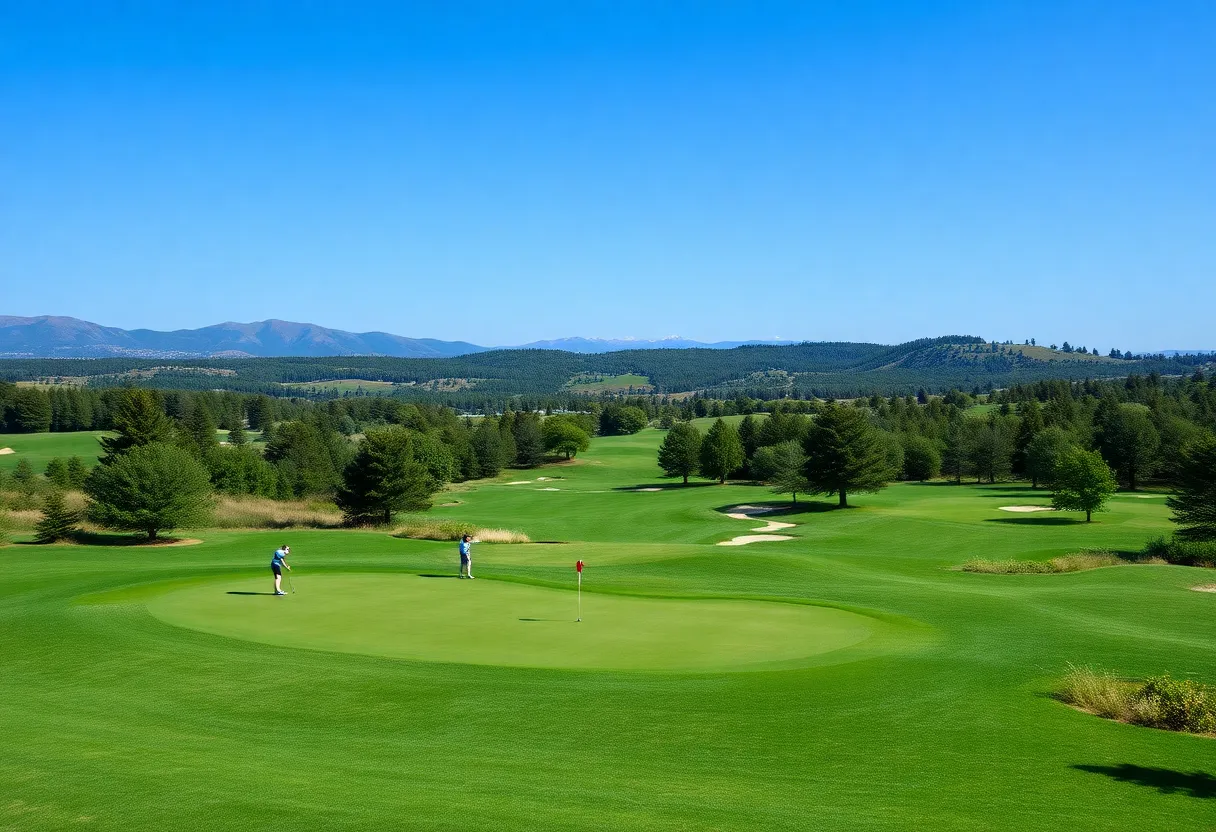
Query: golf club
x: 290, y: 583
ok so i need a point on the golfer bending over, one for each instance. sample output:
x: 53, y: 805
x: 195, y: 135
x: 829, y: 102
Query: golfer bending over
x: 276, y: 563
x: 466, y: 556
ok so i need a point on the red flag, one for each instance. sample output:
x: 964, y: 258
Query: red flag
x: 578, y: 567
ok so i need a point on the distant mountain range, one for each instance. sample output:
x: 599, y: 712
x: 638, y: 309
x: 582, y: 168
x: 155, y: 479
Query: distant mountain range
x: 50, y: 336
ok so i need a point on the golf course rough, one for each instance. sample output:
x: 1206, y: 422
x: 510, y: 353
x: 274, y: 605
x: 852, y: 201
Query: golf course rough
x: 442, y: 619
x: 136, y: 694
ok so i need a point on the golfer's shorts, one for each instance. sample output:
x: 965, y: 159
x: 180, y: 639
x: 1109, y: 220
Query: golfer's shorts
x: 465, y: 560
x: 274, y: 567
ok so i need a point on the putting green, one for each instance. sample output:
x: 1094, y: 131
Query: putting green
x: 489, y: 622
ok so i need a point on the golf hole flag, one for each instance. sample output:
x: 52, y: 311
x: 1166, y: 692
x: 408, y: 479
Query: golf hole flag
x: 578, y: 567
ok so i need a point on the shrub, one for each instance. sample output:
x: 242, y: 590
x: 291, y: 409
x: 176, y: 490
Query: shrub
x: 1181, y: 552
x: 1075, y: 562
x: 1099, y: 692
x: 1178, y: 704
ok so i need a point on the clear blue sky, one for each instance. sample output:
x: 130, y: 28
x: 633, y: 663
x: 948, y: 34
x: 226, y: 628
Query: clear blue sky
x: 502, y: 172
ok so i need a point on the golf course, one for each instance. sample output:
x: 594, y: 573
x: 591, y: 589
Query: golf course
x: 849, y: 677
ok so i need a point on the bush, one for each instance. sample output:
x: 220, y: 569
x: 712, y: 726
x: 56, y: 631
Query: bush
x: 1075, y: 562
x: 1178, y: 704
x: 1099, y: 692
x: 1179, y: 552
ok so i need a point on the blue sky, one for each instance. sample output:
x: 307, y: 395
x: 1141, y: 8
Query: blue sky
x: 505, y: 172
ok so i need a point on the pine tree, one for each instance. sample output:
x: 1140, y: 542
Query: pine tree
x: 150, y: 488
x: 138, y: 419
x: 680, y: 453
x: 529, y: 444
x: 57, y: 473
x: 845, y: 453
x: 1031, y: 422
x: 237, y: 436
x: 922, y: 461
x: 1194, y: 500
x: 58, y: 522
x: 489, y: 448
x: 77, y: 473
x: 721, y: 452
x: 1044, y: 453
x: 384, y: 477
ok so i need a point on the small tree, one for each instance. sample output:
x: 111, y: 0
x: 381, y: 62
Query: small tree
x: 721, y: 452
x: 1194, y: 500
x: 1044, y: 452
x: 922, y: 461
x: 1083, y: 482
x: 151, y: 488
x: 57, y: 473
x: 563, y: 437
x: 488, y: 448
x: 845, y: 453
x: 139, y: 420
x: 529, y: 444
x: 383, y: 478
x: 58, y: 522
x: 680, y: 453
x: 237, y: 436
x: 77, y: 473
x: 784, y: 468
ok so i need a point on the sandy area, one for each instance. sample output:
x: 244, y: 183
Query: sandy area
x: 519, y: 482
x: 647, y: 489
x: 745, y: 539
x: 548, y: 489
x: 4, y: 451
x: 1026, y: 509
x: 748, y: 511
x: 1205, y: 588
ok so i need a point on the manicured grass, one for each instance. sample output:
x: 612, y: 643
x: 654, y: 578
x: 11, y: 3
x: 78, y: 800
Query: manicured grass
x: 609, y: 384
x: 137, y: 696
x: 40, y: 448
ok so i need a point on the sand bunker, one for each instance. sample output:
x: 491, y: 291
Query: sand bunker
x: 1205, y: 588
x: 1026, y: 509
x: 745, y: 539
x: 4, y: 451
x: 520, y: 482
x: 748, y: 511
x: 548, y: 489
x: 647, y: 489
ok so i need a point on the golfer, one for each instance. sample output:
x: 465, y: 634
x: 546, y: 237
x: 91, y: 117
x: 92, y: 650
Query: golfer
x: 466, y: 557
x: 276, y: 565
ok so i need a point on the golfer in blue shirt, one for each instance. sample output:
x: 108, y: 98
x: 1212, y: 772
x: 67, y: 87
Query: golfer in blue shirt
x: 466, y: 557
x: 278, y: 561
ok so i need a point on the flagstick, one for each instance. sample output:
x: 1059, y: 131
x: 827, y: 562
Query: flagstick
x: 580, y: 596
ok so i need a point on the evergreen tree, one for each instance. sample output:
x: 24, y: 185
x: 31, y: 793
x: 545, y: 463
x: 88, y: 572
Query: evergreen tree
x: 845, y: 453
x: 309, y: 457
x: 680, y: 453
x: 489, y: 449
x: 1083, y: 482
x: 24, y: 478
x: 749, y: 436
x: 139, y: 421
x: 529, y: 444
x: 199, y: 435
x: 721, y: 452
x: 1044, y: 453
x: 954, y: 453
x: 506, y: 430
x: 990, y: 449
x: 922, y: 461
x: 1128, y: 441
x: 237, y: 436
x: 1031, y: 422
x: 77, y: 473
x: 384, y: 478
x: 150, y: 488
x: 58, y: 522
x: 1194, y: 500
x: 785, y: 465
x: 57, y: 473
x: 29, y: 411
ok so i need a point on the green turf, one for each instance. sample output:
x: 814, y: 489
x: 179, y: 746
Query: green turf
x: 40, y: 448
x: 113, y: 718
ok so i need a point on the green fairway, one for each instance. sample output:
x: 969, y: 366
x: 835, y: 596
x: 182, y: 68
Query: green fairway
x: 850, y: 678
x: 41, y: 448
x: 429, y: 618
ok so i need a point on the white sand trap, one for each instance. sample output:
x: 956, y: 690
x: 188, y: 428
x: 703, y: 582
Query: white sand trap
x: 548, y: 489
x: 520, y: 482
x: 4, y: 451
x: 1205, y: 588
x: 1137, y: 496
x: 745, y: 539
x: 647, y: 489
x: 1026, y: 509
x: 748, y: 511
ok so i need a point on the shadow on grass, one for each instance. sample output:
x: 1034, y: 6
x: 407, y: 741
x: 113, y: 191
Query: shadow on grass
x: 543, y: 619
x: 432, y: 575
x: 1167, y: 781
x: 667, y: 486
x: 1037, y: 521
x: 101, y: 539
x: 234, y: 592
x: 782, y: 508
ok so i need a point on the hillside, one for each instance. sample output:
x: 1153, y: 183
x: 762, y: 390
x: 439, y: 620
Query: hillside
x: 813, y: 369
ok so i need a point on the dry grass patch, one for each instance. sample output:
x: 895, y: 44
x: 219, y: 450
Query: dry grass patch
x: 265, y: 513
x: 427, y: 529
x: 1075, y: 562
x: 1159, y: 702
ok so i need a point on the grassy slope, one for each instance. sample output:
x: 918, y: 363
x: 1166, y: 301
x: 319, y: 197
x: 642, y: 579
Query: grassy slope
x: 112, y: 715
x: 40, y: 448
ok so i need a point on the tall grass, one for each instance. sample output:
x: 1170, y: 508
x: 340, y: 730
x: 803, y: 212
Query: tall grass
x: 1075, y: 562
x: 426, y: 529
x: 265, y: 513
x: 1159, y: 702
